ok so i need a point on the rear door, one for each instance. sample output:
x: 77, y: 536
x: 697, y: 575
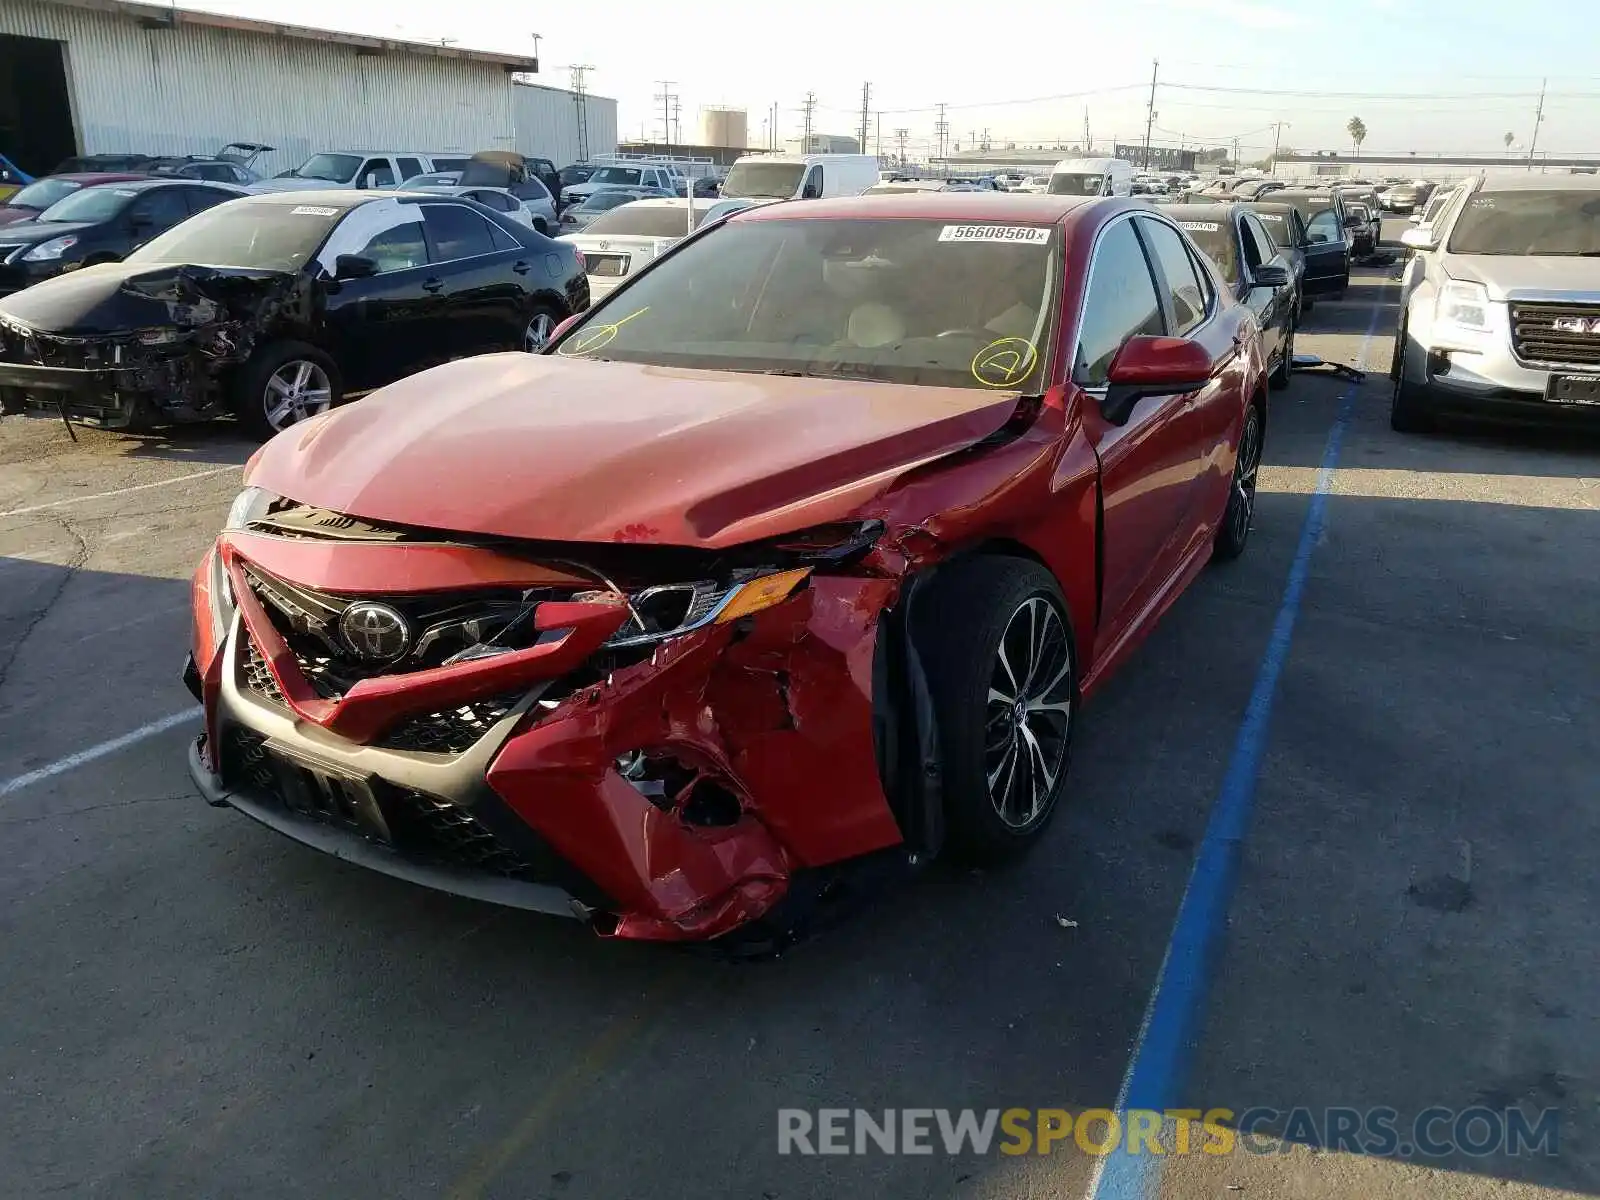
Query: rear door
x: 1327, y: 252
x: 1271, y: 305
x: 481, y: 270
x: 1146, y: 468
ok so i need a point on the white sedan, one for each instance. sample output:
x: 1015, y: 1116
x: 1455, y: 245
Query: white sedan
x: 618, y: 244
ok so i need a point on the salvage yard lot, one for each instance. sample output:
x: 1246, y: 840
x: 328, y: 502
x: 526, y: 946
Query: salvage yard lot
x: 198, y: 1007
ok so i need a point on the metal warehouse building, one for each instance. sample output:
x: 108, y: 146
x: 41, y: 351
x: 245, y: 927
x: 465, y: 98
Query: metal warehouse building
x: 100, y: 76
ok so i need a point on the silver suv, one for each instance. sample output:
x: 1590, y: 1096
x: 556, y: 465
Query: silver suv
x: 1502, y: 313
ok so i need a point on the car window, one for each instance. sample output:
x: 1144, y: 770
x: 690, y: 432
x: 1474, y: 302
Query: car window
x: 397, y: 248
x: 409, y: 167
x: 502, y: 240
x: 163, y: 208
x: 1324, y: 227
x: 495, y: 200
x: 201, y: 198
x: 1183, y: 285
x: 1121, y: 302
x: 1266, y: 244
x: 380, y: 170
x: 1256, y: 244
x: 814, y: 184
x: 457, y: 232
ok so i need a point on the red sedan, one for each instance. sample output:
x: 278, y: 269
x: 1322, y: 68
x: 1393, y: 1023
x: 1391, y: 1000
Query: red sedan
x: 794, y: 558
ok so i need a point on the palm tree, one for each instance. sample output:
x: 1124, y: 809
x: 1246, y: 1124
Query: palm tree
x: 1508, y: 139
x: 1357, y: 129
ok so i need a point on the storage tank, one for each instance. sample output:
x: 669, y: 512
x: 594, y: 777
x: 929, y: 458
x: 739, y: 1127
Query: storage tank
x: 728, y: 127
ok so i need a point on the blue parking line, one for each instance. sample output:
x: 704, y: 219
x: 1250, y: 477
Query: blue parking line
x: 1170, y: 1028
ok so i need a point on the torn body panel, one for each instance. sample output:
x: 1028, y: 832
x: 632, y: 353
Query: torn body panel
x: 119, y: 349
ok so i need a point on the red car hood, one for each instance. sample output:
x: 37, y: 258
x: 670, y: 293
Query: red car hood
x: 10, y: 214
x: 546, y: 448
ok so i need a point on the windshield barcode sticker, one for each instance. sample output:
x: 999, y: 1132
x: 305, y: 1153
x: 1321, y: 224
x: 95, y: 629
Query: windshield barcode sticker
x: 1028, y: 235
x: 1201, y: 226
x: 311, y: 210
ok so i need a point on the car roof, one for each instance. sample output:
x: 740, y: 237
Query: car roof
x: 936, y: 206
x: 1200, y: 212
x: 340, y: 198
x: 92, y: 177
x: 1540, y: 183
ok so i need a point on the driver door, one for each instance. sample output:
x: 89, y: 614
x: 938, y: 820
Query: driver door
x: 390, y: 324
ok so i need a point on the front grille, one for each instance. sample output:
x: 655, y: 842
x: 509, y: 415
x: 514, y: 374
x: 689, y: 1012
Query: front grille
x: 35, y: 349
x: 257, y: 676
x: 1536, y: 339
x: 453, y: 732
x: 419, y: 826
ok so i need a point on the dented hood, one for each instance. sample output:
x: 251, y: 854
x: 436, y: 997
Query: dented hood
x: 546, y: 448
x: 117, y: 297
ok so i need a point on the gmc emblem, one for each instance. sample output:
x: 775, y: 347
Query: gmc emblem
x: 1577, y: 325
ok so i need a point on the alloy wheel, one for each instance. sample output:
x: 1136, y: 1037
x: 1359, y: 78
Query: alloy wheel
x: 1242, y: 510
x: 538, y: 334
x: 1028, y: 719
x: 295, y: 391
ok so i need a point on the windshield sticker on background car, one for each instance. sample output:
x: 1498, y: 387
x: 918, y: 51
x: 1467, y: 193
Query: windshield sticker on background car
x: 597, y: 338
x: 1200, y: 226
x: 311, y: 210
x: 1024, y: 234
x: 126, y: 192
x: 1004, y: 362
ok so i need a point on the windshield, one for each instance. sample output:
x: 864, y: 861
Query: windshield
x: 602, y: 201
x: 640, y: 220
x: 763, y: 180
x: 1076, y: 183
x: 90, y: 204
x: 1216, y: 239
x: 43, y: 194
x: 898, y: 301
x: 616, y: 175
x: 1536, y: 223
x: 336, y: 168
x: 270, y: 237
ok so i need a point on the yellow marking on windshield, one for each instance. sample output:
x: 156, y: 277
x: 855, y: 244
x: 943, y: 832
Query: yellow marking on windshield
x: 599, y: 337
x: 1004, y: 362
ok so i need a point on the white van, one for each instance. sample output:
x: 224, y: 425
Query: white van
x: 799, y: 176
x: 1092, y: 177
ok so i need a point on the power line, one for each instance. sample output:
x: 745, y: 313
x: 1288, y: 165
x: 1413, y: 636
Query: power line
x: 665, y: 98
x: 941, y: 132
x: 866, y: 103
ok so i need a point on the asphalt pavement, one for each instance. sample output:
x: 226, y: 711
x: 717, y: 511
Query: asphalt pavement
x: 196, y: 1007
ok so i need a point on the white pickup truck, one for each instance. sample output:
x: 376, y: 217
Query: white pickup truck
x: 359, y: 169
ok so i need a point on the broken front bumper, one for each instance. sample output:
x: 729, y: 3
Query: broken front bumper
x: 106, y: 396
x: 771, y: 728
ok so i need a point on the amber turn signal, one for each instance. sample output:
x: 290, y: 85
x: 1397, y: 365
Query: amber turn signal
x: 762, y: 593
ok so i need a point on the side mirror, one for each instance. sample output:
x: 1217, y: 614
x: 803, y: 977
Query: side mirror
x: 1269, y: 276
x: 1415, y: 218
x: 1152, y: 366
x: 354, y: 266
x: 810, y: 192
x: 1419, y: 239
x: 368, y: 181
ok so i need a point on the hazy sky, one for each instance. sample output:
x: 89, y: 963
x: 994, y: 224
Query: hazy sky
x: 1445, y: 75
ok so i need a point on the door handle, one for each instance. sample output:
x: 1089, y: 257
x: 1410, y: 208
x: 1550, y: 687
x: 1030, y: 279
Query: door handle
x: 520, y: 267
x: 434, y: 286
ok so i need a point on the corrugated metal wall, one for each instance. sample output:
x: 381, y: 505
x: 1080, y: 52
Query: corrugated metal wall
x: 547, y: 123
x: 192, y: 89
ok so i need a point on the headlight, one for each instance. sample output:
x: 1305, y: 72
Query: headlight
x: 249, y: 505
x: 53, y: 249
x: 1464, y: 306
x: 668, y: 611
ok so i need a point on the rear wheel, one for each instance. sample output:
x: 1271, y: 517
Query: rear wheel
x: 998, y: 648
x: 283, y: 384
x: 542, y: 323
x: 1234, y: 533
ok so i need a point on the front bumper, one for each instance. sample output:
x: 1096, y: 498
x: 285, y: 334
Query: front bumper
x: 536, y: 815
x: 1488, y: 381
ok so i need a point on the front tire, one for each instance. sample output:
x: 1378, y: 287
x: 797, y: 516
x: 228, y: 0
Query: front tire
x: 1234, y: 533
x: 284, y: 384
x: 542, y: 322
x: 998, y: 647
x: 1408, y: 407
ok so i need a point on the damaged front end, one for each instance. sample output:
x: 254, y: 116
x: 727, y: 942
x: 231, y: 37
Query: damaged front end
x: 673, y: 744
x: 125, y: 349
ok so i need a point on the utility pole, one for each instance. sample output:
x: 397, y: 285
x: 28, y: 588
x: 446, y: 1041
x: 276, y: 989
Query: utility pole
x: 1150, y: 119
x: 1538, y: 117
x: 1277, y: 131
x: 983, y: 143
x: 1236, y: 154
x: 900, y: 136
x: 665, y: 97
x: 772, y: 128
x: 866, y: 101
x: 805, y: 136
x: 878, y: 149
x: 941, y: 133
x: 1088, y: 142
x: 580, y: 105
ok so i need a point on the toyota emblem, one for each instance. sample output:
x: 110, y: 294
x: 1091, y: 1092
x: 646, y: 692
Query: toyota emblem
x: 375, y: 633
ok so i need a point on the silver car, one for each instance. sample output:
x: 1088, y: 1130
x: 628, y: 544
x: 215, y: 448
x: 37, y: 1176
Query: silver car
x: 593, y: 205
x: 1501, y: 313
x: 532, y: 210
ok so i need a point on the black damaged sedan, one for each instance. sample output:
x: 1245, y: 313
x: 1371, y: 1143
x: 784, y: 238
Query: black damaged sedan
x: 276, y: 307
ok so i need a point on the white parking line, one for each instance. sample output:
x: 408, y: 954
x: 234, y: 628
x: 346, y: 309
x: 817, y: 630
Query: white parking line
x: 138, y: 487
x: 62, y: 765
